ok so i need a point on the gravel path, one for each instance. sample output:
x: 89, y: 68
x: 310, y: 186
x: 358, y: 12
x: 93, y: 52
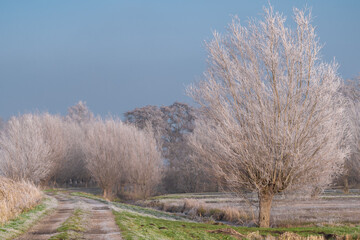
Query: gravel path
x: 100, y: 222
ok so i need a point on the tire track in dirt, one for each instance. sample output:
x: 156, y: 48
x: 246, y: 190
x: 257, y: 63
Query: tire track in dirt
x: 102, y: 224
x: 100, y: 221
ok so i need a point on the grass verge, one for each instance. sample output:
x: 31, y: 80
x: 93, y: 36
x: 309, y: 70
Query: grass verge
x: 73, y: 227
x: 135, y: 226
x: 27, y: 219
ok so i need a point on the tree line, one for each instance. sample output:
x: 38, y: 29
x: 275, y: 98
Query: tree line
x: 136, y: 158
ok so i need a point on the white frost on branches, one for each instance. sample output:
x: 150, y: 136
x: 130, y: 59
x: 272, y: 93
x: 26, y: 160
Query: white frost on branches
x: 273, y: 118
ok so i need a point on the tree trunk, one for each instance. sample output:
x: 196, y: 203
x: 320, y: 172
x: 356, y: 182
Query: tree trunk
x: 346, y: 185
x: 315, y: 192
x: 108, y: 193
x: 265, y: 200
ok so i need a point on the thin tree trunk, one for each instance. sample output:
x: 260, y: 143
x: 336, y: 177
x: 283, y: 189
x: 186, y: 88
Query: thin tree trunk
x: 108, y: 193
x: 346, y: 185
x: 265, y: 200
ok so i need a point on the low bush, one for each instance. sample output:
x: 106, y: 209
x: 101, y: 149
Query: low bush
x: 16, y: 197
x: 197, y: 208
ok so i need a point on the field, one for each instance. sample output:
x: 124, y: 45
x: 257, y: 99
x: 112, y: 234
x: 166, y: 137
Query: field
x: 332, y: 207
x: 86, y: 215
x: 144, y: 223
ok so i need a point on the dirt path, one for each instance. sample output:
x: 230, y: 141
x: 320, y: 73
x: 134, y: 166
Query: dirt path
x: 100, y: 222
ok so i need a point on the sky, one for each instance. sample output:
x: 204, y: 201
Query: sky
x: 119, y: 55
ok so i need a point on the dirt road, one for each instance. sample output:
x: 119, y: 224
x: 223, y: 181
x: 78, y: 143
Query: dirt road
x: 98, y: 223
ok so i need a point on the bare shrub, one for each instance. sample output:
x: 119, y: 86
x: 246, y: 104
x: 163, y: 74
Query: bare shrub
x: 16, y: 197
x: 272, y: 115
x: 232, y: 214
x: 32, y: 146
x: 190, y: 203
x: 198, y: 208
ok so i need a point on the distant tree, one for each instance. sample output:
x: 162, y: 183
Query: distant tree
x: 180, y: 119
x: 117, y: 153
x: 79, y: 113
x: 72, y: 168
x: 172, y: 124
x: 273, y: 118
x: 152, y: 115
x: 181, y: 174
x: 32, y: 146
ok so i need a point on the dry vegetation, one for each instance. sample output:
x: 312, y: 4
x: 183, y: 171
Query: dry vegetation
x: 292, y: 210
x: 198, y: 208
x: 16, y: 197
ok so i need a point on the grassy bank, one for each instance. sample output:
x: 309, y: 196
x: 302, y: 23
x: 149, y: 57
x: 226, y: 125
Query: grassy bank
x: 27, y: 219
x: 17, y: 197
x: 136, y: 226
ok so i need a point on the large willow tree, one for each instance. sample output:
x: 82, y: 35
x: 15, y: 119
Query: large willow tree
x: 273, y: 118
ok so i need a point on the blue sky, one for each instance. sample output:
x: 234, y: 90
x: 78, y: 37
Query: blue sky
x: 118, y: 55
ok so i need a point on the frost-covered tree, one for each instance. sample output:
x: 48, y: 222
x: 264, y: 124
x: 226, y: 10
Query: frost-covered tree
x: 172, y: 124
x: 117, y: 153
x: 73, y: 165
x: 72, y: 169
x: 79, y: 113
x: 141, y: 117
x: 351, y: 174
x: 273, y: 118
x: 31, y: 147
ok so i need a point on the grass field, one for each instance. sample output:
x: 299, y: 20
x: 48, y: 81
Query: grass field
x: 332, y: 207
x: 135, y: 226
x: 146, y: 223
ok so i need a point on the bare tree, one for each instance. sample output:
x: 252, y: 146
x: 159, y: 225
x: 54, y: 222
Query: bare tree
x: 152, y: 115
x: 351, y: 174
x: 144, y: 167
x: 273, y: 118
x: 119, y: 153
x: 181, y: 174
x: 79, y: 113
x: 172, y: 124
x: 32, y: 147
x: 72, y: 169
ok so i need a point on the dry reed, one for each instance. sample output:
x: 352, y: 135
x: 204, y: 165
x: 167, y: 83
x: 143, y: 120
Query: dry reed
x: 16, y: 197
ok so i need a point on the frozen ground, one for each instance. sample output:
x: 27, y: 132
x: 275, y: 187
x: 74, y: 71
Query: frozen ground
x: 100, y: 220
x: 331, y: 207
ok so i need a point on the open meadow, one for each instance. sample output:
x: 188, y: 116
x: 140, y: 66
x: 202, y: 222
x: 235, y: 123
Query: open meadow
x: 332, y: 207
